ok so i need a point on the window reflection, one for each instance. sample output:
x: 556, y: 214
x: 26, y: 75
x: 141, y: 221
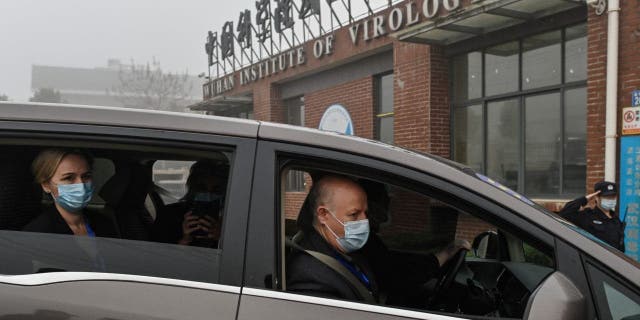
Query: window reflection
x: 541, y: 60
x: 542, y: 144
x: 467, y: 75
x: 501, y: 68
x: 575, y: 153
x: 503, y: 131
x: 576, y: 53
x: 469, y: 136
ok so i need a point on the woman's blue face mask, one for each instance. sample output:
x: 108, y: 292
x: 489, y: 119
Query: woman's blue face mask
x: 74, y: 197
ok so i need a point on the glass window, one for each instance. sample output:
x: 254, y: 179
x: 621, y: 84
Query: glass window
x: 171, y: 177
x: 543, y: 141
x: 575, y: 140
x: 295, y: 116
x: 385, y: 129
x: 384, y: 116
x: 386, y: 94
x: 614, y: 301
x: 126, y: 239
x: 295, y: 111
x: 541, y: 60
x: 503, y: 135
x: 467, y: 75
x: 469, y: 136
x: 543, y: 131
x: 575, y: 58
x: 501, y: 68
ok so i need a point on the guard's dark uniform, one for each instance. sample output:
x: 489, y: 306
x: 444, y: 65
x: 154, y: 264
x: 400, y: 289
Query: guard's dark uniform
x: 596, y: 222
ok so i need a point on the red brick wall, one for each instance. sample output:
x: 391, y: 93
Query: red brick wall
x: 596, y: 96
x: 421, y: 98
x: 268, y: 104
x: 628, y: 80
x: 469, y: 227
x: 356, y: 96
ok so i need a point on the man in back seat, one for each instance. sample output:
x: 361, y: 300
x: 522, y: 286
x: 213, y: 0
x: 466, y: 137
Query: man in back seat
x: 196, y: 219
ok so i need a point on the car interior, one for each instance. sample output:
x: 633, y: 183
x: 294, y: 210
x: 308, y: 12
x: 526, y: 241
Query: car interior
x: 410, y: 222
x: 134, y: 187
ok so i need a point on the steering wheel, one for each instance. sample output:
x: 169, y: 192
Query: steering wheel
x: 446, y: 279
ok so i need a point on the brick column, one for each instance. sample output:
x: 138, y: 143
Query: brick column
x: 268, y: 104
x: 596, y: 96
x: 421, y: 98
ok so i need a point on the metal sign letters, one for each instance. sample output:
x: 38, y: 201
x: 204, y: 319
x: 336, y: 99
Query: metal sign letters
x: 280, y: 37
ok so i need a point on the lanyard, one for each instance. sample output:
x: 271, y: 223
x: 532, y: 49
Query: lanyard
x: 90, y: 232
x: 355, y: 271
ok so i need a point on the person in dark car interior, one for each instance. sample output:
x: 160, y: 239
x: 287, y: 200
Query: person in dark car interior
x: 65, y: 174
x: 195, y: 219
x: 335, y: 224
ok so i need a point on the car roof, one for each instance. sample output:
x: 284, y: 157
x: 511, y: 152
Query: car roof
x: 127, y: 117
x: 436, y: 166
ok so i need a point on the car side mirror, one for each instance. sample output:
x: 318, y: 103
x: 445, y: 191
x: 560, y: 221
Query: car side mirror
x: 485, y: 245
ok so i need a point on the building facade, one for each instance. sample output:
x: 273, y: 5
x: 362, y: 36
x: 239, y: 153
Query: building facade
x: 114, y: 86
x: 513, y: 88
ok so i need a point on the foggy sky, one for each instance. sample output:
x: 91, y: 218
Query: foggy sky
x: 86, y: 33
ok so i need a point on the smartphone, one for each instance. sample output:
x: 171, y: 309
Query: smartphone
x: 204, y: 205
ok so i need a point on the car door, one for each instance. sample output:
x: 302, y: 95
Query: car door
x: 263, y: 296
x: 54, y: 276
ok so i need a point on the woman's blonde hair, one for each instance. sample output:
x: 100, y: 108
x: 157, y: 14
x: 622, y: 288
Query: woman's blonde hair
x: 47, y: 161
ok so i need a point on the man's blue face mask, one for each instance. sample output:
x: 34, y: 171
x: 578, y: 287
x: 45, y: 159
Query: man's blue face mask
x: 74, y: 197
x: 356, y: 234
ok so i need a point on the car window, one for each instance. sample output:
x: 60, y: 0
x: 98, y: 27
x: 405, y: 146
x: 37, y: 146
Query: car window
x: 171, y: 176
x: 122, y: 235
x: 410, y: 226
x: 103, y: 169
x: 614, y: 300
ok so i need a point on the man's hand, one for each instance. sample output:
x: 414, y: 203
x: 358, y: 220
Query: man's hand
x: 591, y: 200
x: 451, y: 249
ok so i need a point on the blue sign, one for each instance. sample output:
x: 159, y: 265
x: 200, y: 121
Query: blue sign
x: 635, y: 98
x: 630, y: 193
x: 337, y: 119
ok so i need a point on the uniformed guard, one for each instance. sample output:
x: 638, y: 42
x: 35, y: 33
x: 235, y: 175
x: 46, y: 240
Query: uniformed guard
x: 599, y: 218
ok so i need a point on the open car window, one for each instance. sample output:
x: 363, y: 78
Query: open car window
x: 410, y: 224
x: 127, y: 238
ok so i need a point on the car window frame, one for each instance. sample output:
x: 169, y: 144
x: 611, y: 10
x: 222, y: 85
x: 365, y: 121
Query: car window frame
x: 232, y: 260
x: 597, y: 274
x: 263, y: 255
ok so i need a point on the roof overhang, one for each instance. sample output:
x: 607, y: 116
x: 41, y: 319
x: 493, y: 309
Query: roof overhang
x: 483, y: 17
x: 222, y: 103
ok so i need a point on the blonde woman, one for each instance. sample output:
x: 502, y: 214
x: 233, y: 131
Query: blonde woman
x: 65, y: 174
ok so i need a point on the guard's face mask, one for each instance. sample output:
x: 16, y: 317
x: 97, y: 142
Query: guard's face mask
x: 608, y: 204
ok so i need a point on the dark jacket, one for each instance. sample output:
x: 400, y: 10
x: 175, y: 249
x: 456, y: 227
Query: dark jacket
x: 307, y: 275
x: 167, y: 227
x: 50, y: 221
x: 596, y: 222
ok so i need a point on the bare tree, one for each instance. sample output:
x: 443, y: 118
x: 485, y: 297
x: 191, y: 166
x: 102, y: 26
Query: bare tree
x: 47, y: 95
x: 147, y: 86
x: 3, y: 97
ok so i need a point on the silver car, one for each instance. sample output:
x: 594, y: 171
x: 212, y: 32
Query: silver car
x: 526, y: 263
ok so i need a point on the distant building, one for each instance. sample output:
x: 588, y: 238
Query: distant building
x: 96, y: 86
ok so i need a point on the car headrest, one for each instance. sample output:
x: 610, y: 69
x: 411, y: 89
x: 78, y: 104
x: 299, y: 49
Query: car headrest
x: 129, y: 185
x: 114, y: 189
